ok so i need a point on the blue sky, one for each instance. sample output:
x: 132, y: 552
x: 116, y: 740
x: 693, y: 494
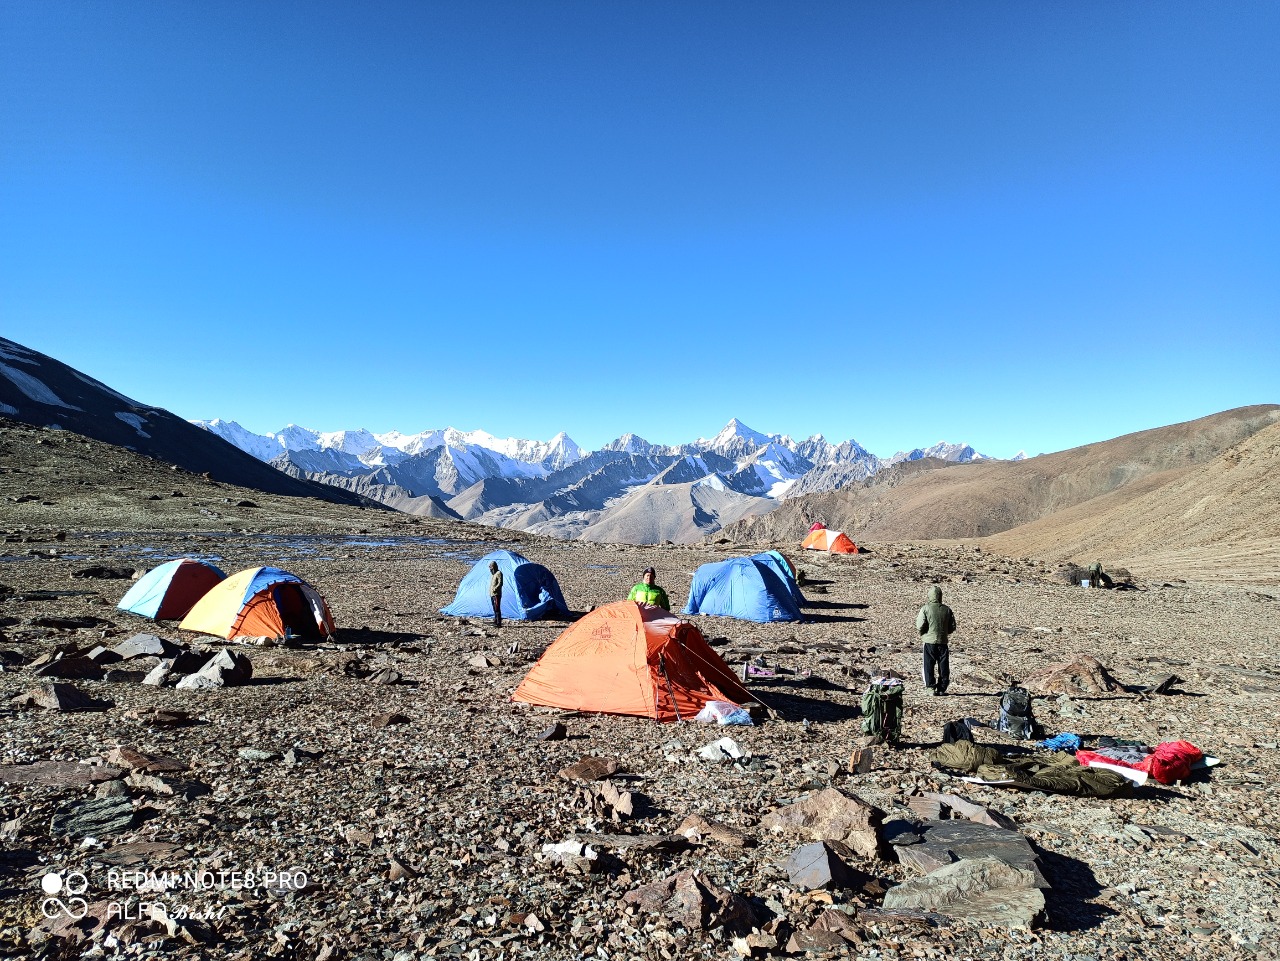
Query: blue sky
x: 1022, y: 225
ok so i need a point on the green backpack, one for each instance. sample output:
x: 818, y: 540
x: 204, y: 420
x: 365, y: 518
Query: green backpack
x: 882, y: 710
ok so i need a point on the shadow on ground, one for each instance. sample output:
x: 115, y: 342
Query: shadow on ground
x: 1069, y: 901
x: 794, y: 707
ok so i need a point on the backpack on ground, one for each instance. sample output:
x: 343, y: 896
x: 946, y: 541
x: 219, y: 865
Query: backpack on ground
x: 882, y: 710
x: 954, y: 731
x: 1016, y: 718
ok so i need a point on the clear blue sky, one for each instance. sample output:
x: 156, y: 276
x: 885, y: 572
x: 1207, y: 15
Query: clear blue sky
x: 1016, y: 224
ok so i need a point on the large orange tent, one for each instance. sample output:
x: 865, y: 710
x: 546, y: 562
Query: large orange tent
x: 629, y: 658
x: 833, y: 542
x: 261, y: 602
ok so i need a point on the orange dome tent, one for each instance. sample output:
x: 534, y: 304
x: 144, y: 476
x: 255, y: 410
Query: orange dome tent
x: 261, y: 602
x: 833, y: 542
x: 627, y: 658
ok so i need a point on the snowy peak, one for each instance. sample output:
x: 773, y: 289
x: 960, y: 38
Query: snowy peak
x: 956, y: 453
x: 446, y: 462
x: 735, y: 436
x: 629, y: 444
x: 380, y: 450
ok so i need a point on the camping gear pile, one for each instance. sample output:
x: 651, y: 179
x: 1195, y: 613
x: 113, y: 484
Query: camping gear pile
x: 1061, y: 765
x: 1167, y: 762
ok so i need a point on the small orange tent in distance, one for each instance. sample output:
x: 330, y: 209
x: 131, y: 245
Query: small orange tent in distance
x: 261, y: 602
x: 833, y: 542
x: 628, y: 658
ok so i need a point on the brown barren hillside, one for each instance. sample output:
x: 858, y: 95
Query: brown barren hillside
x: 1220, y: 520
x: 980, y: 499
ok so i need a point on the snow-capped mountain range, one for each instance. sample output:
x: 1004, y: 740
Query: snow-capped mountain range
x: 555, y: 486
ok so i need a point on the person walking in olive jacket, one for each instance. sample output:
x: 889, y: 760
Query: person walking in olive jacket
x: 495, y: 592
x: 936, y: 623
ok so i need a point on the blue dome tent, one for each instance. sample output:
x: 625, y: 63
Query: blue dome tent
x: 529, y: 590
x: 169, y: 591
x: 759, y: 588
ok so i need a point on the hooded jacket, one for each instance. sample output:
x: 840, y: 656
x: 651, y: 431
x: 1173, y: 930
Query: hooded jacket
x: 935, y: 622
x: 650, y: 594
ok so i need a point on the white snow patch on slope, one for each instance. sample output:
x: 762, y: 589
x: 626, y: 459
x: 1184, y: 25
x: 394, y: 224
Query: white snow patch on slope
x: 34, y: 388
x: 134, y: 421
x: 99, y: 385
x: 8, y: 411
x: 780, y: 488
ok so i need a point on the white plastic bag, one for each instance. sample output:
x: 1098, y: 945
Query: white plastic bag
x: 724, y: 712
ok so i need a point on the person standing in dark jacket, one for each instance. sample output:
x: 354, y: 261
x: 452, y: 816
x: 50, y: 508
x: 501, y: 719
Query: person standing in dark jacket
x: 936, y: 623
x: 495, y: 592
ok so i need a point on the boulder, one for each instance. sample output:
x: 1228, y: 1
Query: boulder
x: 924, y: 858
x: 167, y: 786
x: 697, y: 828
x: 95, y: 818
x: 832, y: 815
x: 983, y: 891
x: 725, y: 749
x: 59, y: 697
x: 227, y: 668
x: 126, y: 756
x: 145, y: 645
x: 75, y: 668
x: 971, y: 811
x: 695, y: 902
x: 188, y: 662
x: 834, y: 929
x: 1082, y: 675
x: 58, y: 773
x: 590, y: 769
x: 969, y: 840
x: 822, y: 864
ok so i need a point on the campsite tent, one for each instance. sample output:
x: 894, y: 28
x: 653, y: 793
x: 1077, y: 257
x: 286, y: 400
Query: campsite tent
x: 817, y: 526
x: 833, y: 542
x: 261, y: 602
x: 759, y: 588
x: 529, y: 590
x: 625, y: 658
x: 167, y: 592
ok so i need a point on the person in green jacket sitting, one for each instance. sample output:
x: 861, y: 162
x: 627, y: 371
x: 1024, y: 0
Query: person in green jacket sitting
x: 647, y: 592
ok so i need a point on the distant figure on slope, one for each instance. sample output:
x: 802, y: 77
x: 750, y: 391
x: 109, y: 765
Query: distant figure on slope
x: 647, y: 592
x: 936, y: 623
x: 1098, y: 577
x: 495, y: 592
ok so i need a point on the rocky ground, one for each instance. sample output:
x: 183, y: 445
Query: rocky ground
x: 422, y: 834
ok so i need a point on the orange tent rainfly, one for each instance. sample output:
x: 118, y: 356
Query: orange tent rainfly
x: 627, y: 658
x: 261, y: 602
x: 833, y: 542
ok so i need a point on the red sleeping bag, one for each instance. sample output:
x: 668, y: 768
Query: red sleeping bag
x: 1170, y: 761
